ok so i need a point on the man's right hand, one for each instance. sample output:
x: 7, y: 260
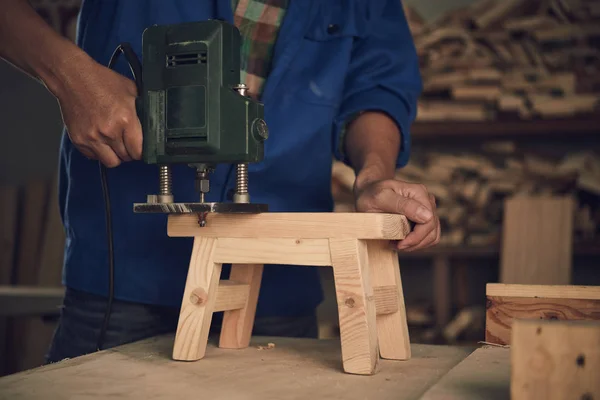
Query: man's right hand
x: 98, y: 108
x: 97, y: 104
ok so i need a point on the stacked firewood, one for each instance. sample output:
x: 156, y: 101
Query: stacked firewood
x: 510, y: 59
x: 470, y: 188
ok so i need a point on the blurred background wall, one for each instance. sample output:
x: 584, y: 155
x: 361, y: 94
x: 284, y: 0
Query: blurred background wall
x: 506, y: 138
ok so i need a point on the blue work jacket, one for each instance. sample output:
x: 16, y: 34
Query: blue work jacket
x: 332, y: 58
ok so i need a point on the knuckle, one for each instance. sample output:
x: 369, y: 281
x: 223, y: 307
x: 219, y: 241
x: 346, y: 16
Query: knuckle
x: 124, y: 117
x: 401, y: 203
x: 109, y: 132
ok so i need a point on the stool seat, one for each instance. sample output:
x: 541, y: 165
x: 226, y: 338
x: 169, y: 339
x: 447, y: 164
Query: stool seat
x: 372, y: 315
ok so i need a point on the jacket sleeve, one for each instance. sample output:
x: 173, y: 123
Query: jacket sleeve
x: 383, y: 75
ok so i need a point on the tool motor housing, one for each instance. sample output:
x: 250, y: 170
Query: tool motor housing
x: 190, y: 110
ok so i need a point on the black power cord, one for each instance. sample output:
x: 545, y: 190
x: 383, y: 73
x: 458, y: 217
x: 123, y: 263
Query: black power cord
x: 136, y: 71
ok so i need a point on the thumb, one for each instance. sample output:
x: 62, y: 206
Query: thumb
x: 411, y: 208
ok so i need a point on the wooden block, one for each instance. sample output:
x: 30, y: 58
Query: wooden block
x: 198, y: 302
x: 356, y: 306
x: 537, y: 240
x: 292, y: 226
x: 386, y: 299
x: 555, y: 360
x: 231, y: 295
x: 237, y: 325
x: 507, y: 303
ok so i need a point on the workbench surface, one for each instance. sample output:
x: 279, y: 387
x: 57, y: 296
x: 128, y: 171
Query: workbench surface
x: 293, y: 369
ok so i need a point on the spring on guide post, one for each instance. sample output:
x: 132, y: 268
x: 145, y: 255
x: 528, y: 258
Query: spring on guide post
x: 242, y: 178
x: 165, y: 180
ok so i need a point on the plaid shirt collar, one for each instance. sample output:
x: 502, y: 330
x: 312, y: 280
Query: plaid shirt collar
x: 258, y: 22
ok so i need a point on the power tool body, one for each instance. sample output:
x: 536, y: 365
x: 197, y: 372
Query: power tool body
x: 194, y: 110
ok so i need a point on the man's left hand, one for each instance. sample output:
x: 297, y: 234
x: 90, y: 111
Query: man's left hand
x: 409, y: 199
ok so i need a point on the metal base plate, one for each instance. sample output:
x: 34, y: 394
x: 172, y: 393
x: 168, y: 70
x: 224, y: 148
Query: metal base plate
x: 195, y: 208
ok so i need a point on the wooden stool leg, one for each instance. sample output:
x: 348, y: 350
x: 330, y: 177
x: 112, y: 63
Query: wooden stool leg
x: 198, y: 301
x: 356, y: 306
x: 236, y: 330
x: 392, y: 327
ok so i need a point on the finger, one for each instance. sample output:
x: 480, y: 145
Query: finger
x: 106, y: 155
x: 411, y: 208
x: 87, y: 152
x: 431, y: 238
x: 432, y: 201
x: 423, y: 241
x: 133, y: 139
x: 439, y: 225
x: 119, y: 148
x: 426, y: 242
x: 418, y: 234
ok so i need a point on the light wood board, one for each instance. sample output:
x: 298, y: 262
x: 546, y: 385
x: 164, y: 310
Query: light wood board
x: 485, y: 374
x: 507, y: 303
x: 555, y: 360
x: 293, y: 225
x: 537, y: 240
x: 294, y: 369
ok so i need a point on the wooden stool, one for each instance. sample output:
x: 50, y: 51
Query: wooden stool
x: 366, y: 273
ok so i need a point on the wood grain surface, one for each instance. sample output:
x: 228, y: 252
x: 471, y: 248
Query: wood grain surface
x: 555, y: 360
x: 295, y: 369
x: 541, y: 302
x: 293, y: 225
x: 485, y: 374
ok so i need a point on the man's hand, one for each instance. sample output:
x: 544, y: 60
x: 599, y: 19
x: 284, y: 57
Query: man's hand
x: 98, y: 109
x: 409, y: 199
x: 97, y: 104
x: 372, y: 144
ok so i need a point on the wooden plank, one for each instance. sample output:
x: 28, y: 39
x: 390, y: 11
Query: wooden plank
x: 581, y: 127
x: 231, y: 295
x: 19, y: 301
x: 484, y: 374
x: 544, y: 291
x: 8, y: 237
x: 293, y: 226
x: 8, y: 230
x: 507, y: 303
x: 30, y: 337
x: 386, y: 299
x: 442, y: 291
x: 537, y: 240
x: 273, y: 251
x: 237, y: 324
x: 554, y: 360
x: 356, y: 306
x: 392, y: 327
x: 198, y: 302
x: 295, y: 369
x: 52, y: 245
x: 31, y: 233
